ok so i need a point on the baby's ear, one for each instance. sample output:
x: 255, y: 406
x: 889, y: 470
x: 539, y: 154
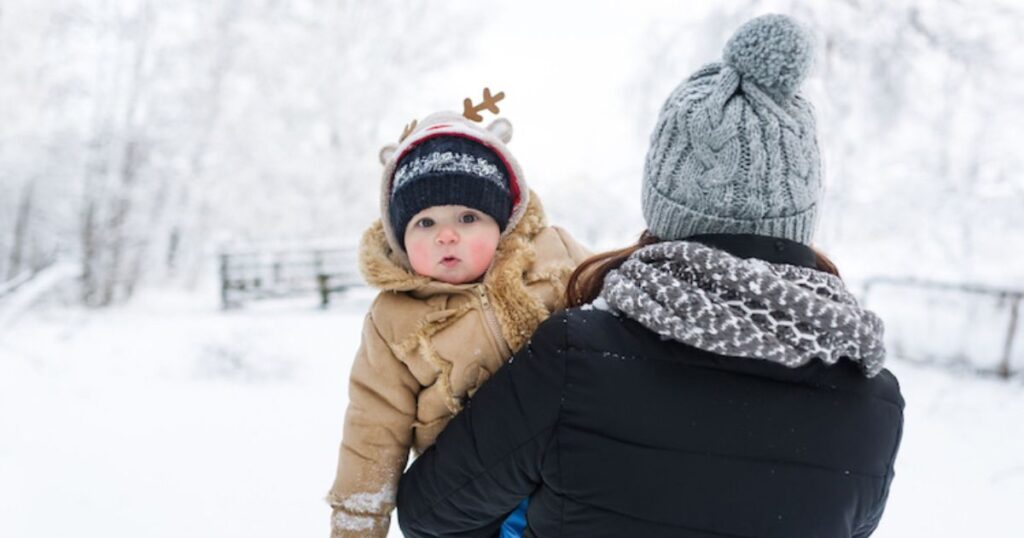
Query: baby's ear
x: 386, y: 152
x: 502, y: 129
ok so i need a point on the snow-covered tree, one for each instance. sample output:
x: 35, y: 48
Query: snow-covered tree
x: 138, y: 133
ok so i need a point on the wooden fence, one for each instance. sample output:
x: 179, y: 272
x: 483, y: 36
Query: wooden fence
x: 1003, y: 311
x: 252, y: 275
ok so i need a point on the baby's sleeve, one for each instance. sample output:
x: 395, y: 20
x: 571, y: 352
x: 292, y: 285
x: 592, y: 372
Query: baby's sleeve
x: 376, y: 440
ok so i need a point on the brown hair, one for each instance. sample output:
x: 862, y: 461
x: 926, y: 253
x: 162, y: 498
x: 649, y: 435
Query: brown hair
x: 587, y: 280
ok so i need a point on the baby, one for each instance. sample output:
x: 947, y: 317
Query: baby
x: 467, y: 268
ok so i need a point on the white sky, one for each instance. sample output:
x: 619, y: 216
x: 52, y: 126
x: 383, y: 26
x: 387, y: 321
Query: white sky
x: 562, y: 66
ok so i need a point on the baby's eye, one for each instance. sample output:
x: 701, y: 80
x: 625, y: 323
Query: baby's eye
x: 425, y: 222
x: 469, y: 218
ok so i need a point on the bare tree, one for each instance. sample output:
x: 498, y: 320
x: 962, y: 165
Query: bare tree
x: 21, y: 228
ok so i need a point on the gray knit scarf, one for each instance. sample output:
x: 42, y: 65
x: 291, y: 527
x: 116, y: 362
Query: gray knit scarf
x: 714, y: 301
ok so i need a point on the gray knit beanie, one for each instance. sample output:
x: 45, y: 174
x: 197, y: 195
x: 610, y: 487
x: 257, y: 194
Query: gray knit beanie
x: 734, y: 150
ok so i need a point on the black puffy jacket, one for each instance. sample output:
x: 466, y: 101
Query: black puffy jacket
x: 613, y: 431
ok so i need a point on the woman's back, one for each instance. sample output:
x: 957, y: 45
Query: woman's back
x: 656, y: 438
x: 628, y: 434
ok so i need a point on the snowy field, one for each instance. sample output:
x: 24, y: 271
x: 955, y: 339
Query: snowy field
x: 170, y: 418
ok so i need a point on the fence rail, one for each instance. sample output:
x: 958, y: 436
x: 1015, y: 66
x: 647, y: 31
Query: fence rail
x: 1011, y: 298
x: 12, y: 285
x: 253, y: 274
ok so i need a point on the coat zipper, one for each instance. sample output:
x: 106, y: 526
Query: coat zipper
x: 492, y: 323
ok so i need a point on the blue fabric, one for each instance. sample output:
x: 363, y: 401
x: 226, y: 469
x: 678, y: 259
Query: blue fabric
x: 515, y: 523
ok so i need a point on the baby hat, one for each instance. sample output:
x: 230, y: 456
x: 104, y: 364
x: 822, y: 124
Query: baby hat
x: 448, y: 159
x: 449, y: 169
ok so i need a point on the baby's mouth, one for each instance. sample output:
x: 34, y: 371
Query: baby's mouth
x: 449, y: 261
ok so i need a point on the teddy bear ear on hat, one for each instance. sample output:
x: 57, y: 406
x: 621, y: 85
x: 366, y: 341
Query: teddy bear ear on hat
x: 774, y: 51
x: 502, y: 129
x: 387, y: 152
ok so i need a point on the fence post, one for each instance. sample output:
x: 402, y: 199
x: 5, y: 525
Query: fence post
x: 867, y: 289
x: 325, y: 292
x: 318, y: 261
x: 1004, y: 367
x: 225, y: 301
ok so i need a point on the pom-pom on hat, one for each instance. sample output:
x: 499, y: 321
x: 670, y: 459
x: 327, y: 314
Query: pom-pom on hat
x: 734, y: 149
x: 772, y: 50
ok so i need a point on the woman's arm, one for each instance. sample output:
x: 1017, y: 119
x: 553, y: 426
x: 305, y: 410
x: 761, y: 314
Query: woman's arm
x: 490, y: 456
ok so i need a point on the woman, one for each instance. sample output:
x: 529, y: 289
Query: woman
x: 716, y: 378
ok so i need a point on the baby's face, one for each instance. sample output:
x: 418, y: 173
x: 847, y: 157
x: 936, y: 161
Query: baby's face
x: 451, y: 243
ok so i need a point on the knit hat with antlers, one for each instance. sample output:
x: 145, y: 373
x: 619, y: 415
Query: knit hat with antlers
x: 448, y: 159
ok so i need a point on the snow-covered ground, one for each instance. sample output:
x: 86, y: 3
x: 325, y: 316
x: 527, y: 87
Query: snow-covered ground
x: 169, y: 418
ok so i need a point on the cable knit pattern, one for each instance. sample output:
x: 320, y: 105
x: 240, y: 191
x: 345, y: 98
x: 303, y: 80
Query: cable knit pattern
x: 734, y: 149
x: 749, y: 308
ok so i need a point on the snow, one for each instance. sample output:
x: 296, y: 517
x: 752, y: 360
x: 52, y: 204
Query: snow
x: 346, y: 522
x: 22, y: 293
x: 172, y: 418
x: 599, y: 304
x: 960, y: 471
x: 369, y: 502
x: 169, y: 417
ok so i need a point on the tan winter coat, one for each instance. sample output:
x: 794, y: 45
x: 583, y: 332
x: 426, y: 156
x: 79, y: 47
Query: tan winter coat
x: 426, y: 345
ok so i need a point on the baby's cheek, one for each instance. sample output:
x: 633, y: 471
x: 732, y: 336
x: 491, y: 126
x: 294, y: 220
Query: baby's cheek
x: 419, y: 257
x: 481, y: 252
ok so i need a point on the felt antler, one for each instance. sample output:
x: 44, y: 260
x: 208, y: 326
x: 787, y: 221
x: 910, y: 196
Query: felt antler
x: 407, y: 130
x: 490, y: 102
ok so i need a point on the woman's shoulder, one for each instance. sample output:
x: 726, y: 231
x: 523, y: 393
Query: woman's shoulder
x: 590, y: 327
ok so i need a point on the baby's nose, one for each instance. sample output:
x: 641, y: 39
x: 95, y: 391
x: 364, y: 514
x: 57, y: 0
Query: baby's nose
x: 447, y: 235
